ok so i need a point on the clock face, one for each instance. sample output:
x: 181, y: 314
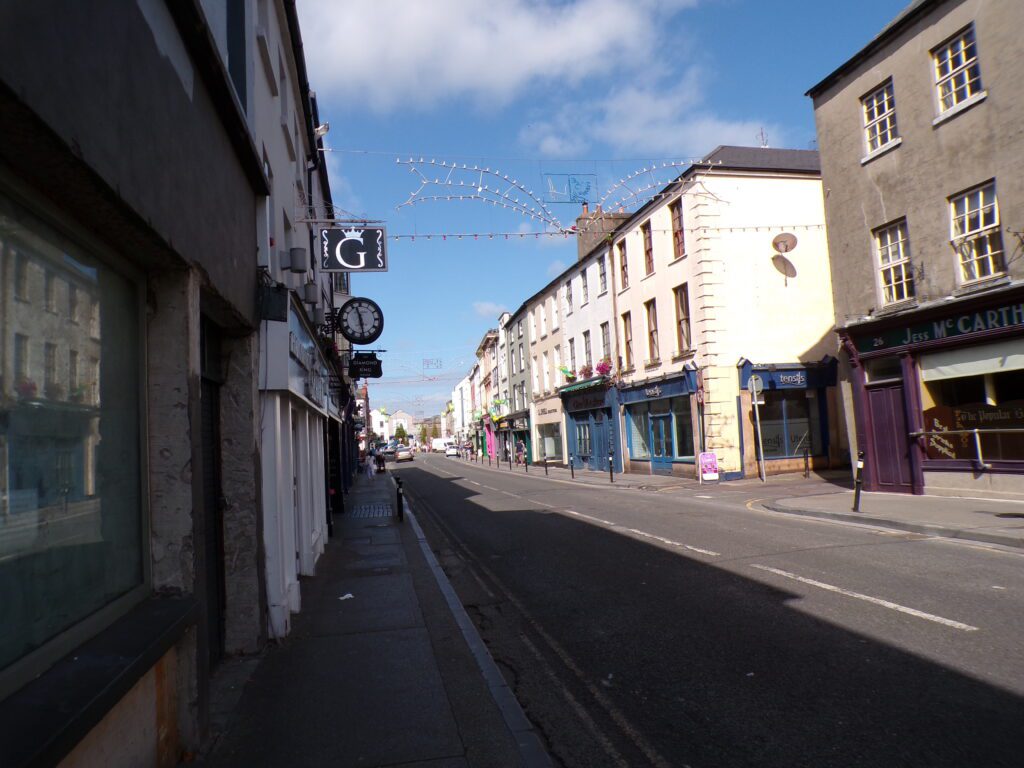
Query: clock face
x: 361, y: 321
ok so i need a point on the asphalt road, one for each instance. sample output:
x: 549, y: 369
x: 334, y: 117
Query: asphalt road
x: 669, y: 629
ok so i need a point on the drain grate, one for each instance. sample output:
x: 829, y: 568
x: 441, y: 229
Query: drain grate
x: 373, y: 510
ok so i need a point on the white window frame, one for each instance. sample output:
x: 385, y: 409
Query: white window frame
x: 975, y: 235
x: 602, y: 274
x: 627, y: 338
x: 586, y: 288
x: 623, y: 265
x: 544, y: 319
x: 878, y: 109
x: 568, y: 297
x: 895, y: 270
x: 587, y: 351
x: 606, y: 341
x: 957, y: 70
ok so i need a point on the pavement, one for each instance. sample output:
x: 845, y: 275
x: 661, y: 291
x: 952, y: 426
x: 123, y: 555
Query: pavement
x: 383, y: 666
x: 989, y: 521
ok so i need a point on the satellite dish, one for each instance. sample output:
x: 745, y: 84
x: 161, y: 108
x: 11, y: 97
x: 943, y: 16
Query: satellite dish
x: 784, y: 243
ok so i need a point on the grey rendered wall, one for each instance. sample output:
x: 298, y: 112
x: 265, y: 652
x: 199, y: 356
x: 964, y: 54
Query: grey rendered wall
x: 119, y: 90
x: 932, y: 162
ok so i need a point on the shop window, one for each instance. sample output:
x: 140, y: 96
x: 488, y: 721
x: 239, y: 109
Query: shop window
x: 790, y: 423
x: 71, y: 543
x: 883, y: 369
x: 682, y: 421
x: 988, y: 402
x: 639, y: 431
x: 550, y: 436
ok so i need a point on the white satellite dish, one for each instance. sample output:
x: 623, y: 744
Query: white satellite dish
x: 784, y: 243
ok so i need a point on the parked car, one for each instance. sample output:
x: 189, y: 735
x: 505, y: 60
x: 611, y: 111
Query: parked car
x: 440, y: 443
x: 403, y: 453
x: 451, y: 450
x: 389, y: 450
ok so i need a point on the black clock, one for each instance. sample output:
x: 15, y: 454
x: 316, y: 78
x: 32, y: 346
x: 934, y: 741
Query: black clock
x: 360, y: 321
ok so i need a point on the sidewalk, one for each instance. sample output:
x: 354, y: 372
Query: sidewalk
x: 383, y: 666
x: 988, y: 521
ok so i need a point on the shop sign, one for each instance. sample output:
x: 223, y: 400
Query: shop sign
x: 359, y: 249
x: 1008, y: 316
x: 654, y: 391
x: 546, y: 411
x: 708, y: 463
x: 798, y: 379
x: 585, y: 401
x: 364, y: 365
x: 302, y: 351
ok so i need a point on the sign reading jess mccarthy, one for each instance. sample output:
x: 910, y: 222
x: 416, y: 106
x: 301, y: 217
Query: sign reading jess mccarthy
x: 353, y: 250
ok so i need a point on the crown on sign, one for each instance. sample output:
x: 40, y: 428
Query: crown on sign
x: 356, y: 234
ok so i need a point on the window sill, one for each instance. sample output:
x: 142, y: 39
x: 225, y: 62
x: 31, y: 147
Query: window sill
x: 677, y: 259
x: 896, y: 307
x: 649, y: 364
x: 980, y: 286
x: 629, y: 371
x: 623, y: 290
x: 963, y: 106
x: 649, y: 274
x: 684, y: 355
x: 883, y: 150
x: 46, y: 719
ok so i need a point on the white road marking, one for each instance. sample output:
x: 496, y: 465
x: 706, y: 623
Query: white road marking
x: 867, y: 598
x: 543, y: 504
x: 702, y: 496
x: 588, y: 517
x: 671, y: 543
x: 474, y: 482
x: 513, y: 495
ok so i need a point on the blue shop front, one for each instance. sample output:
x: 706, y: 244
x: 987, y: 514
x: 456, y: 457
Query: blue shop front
x: 592, y: 429
x: 662, y: 423
x: 798, y: 414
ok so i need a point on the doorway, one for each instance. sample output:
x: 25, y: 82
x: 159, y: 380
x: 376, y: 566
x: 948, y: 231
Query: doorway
x: 890, y: 443
x: 662, y: 448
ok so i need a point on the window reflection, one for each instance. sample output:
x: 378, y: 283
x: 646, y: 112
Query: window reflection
x: 70, y: 519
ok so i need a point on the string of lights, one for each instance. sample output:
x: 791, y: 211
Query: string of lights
x: 565, y: 234
x: 467, y: 182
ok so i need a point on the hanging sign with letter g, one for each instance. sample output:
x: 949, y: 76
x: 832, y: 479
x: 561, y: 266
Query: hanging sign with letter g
x: 357, y: 249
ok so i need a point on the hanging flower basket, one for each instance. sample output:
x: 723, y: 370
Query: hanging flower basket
x: 586, y: 372
x: 604, y: 367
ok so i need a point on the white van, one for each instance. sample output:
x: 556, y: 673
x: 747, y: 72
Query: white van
x: 440, y: 443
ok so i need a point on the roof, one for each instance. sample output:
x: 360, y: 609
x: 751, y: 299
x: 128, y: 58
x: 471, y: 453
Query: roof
x: 906, y: 17
x: 763, y: 159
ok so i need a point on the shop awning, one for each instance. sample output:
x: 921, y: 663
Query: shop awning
x: 579, y: 386
x: 973, y: 361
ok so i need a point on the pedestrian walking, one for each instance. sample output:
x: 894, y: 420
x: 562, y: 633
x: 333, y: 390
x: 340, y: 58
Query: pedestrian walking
x: 520, y: 451
x: 370, y: 460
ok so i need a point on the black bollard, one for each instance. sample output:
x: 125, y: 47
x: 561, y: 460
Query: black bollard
x: 858, y: 481
x: 611, y: 463
x: 398, y: 498
x: 572, y: 466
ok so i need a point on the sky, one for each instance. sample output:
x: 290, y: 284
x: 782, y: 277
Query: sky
x: 536, y: 92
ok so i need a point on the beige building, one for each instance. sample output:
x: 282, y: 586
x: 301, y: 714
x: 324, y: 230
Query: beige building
x: 922, y: 163
x: 722, y: 276
x: 543, y: 320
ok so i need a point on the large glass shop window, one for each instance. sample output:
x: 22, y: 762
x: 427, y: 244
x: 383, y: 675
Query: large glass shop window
x: 683, y: 422
x: 70, y: 512
x: 790, y: 423
x: 989, y: 402
x: 639, y: 431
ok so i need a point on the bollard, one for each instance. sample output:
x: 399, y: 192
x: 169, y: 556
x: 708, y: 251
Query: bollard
x: 398, y: 499
x: 488, y: 457
x: 807, y: 462
x: 526, y: 462
x: 544, y: 456
x: 572, y: 466
x: 858, y: 481
x: 611, y: 464
x: 510, y: 461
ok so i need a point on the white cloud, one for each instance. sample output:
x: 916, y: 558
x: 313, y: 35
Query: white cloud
x: 488, y: 309
x: 663, y: 120
x: 397, y: 53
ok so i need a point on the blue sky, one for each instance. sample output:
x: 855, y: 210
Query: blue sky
x: 533, y: 89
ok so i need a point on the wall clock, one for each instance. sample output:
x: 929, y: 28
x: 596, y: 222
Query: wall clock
x: 361, y: 321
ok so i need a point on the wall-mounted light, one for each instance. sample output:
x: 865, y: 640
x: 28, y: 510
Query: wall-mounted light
x: 311, y: 293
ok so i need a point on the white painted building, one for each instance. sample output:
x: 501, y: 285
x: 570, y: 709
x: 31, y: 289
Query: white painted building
x: 298, y: 407
x: 380, y: 423
x: 462, y: 409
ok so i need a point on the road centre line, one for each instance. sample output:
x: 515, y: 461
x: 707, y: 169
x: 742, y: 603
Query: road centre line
x: 867, y: 598
x: 644, y: 534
